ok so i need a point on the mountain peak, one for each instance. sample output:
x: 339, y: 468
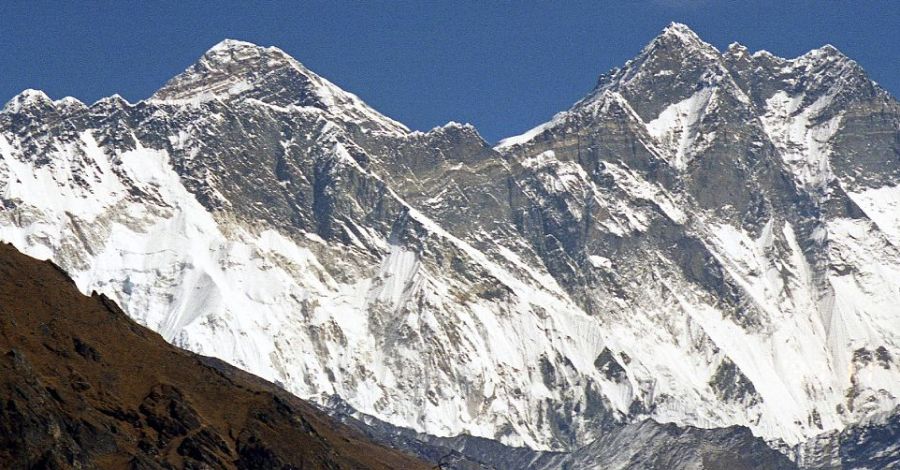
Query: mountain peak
x: 676, y: 42
x: 827, y: 52
x: 225, y: 70
x: 679, y: 29
x: 681, y: 34
x: 234, y: 69
x: 231, y: 44
x: 830, y: 49
x: 737, y: 48
x: 676, y: 60
x: 228, y: 51
x: 27, y: 99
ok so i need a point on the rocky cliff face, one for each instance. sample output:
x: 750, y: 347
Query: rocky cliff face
x: 708, y: 238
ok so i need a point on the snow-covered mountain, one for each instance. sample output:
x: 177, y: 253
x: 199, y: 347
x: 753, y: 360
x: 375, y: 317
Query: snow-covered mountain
x: 708, y: 238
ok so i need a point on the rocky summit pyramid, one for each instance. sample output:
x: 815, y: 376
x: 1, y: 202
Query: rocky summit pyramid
x: 708, y: 238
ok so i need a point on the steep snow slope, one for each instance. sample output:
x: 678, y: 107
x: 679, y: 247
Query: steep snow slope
x: 692, y: 242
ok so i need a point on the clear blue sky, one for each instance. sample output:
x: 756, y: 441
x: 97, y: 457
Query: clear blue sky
x: 503, y: 66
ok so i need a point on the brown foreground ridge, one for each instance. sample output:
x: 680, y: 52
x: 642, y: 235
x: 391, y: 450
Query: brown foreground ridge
x: 84, y: 386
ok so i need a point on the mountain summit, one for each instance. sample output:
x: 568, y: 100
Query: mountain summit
x: 238, y: 70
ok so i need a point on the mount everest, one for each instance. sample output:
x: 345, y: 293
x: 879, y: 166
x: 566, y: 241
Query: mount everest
x: 707, y: 239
